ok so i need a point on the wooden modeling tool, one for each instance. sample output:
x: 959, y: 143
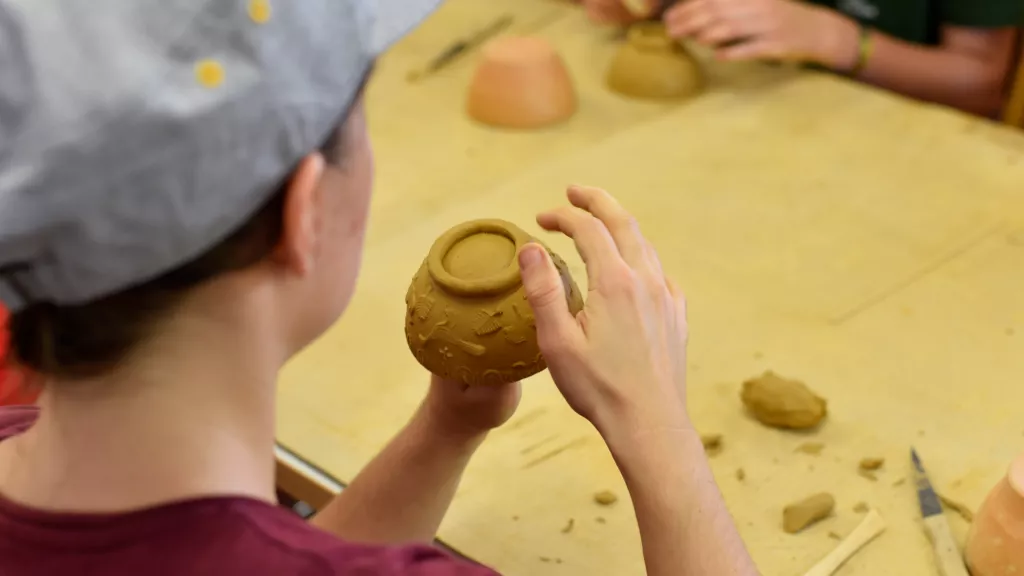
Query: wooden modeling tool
x: 459, y: 48
x: 869, y: 529
x: 947, y: 554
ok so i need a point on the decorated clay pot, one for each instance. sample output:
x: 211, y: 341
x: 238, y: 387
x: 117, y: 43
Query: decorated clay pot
x: 995, y: 545
x: 467, y: 316
x: 521, y: 82
x: 652, y: 65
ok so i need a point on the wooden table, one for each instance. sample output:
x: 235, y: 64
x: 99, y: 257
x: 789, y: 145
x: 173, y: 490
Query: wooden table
x: 869, y: 245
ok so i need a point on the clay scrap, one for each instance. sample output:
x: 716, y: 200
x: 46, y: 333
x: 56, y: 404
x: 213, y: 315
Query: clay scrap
x: 783, y: 403
x: 960, y: 508
x: 872, y: 464
x: 606, y: 498
x: 861, y: 508
x: 798, y: 516
x: 712, y: 444
x: 812, y: 448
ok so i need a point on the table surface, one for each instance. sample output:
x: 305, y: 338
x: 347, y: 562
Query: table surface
x: 868, y: 245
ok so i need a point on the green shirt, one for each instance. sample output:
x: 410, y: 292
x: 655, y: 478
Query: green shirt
x: 920, y: 21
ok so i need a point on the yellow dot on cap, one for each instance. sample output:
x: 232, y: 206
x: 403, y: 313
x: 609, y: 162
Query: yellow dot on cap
x: 259, y: 11
x: 210, y: 73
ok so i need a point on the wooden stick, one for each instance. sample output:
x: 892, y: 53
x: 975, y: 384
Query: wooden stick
x: 869, y: 529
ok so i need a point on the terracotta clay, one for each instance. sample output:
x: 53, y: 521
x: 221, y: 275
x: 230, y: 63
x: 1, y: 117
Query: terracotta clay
x: 800, y: 515
x: 652, y: 65
x: 783, y: 403
x: 521, y: 82
x: 995, y: 545
x: 467, y: 316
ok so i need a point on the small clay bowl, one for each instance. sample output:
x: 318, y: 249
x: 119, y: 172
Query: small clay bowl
x: 521, y: 82
x: 652, y: 65
x: 467, y: 318
x: 995, y: 545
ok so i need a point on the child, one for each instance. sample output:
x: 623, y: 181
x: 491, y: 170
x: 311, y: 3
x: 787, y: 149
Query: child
x: 954, y: 52
x: 184, y: 188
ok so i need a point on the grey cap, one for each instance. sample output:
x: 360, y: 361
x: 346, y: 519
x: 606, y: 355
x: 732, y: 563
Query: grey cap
x: 135, y: 134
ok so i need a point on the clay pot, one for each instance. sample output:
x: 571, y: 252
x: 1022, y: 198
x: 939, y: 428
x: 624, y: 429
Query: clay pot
x: 468, y: 318
x: 995, y: 545
x: 652, y: 65
x: 521, y: 82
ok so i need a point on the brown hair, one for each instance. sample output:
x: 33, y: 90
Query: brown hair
x: 89, y: 339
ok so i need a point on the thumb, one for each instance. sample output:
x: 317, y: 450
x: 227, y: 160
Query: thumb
x: 546, y: 295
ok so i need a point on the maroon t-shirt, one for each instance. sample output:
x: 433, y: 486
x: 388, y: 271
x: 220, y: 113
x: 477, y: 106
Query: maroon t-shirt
x: 210, y: 536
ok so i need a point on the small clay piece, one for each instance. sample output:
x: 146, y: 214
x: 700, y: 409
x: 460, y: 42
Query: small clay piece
x: 521, y: 82
x: 868, y: 474
x: 899, y: 482
x: 872, y: 463
x: 741, y: 474
x: 467, y: 317
x: 962, y: 509
x: 782, y: 403
x: 569, y: 526
x: 861, y: 508
x: 834, y: 536
x: 798, y: 516
x: 812, y: 448
x: 606, y: 498
x: 600, y: 520
x: 652, y: 65
x: 712, y: 444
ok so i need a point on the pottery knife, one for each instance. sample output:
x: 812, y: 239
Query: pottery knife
x: 947, y: 554
x: 460, y: 47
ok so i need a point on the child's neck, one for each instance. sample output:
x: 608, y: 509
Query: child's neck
x: 191, y: 416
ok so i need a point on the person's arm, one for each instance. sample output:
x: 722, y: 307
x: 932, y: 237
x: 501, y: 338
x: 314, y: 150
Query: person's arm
x: 403, y: 494
x: 621, y: 363
x: 684, y: 524
x: 967, y: 70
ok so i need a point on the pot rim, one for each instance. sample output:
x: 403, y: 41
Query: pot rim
x: 649, y: 36
x: 499, y: 283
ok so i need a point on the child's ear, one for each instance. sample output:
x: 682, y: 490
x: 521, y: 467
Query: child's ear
x: 299, y: 229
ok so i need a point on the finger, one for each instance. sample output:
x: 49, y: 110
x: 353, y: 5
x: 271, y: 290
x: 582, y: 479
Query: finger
x: 593, y: 242
x: 687, y: 18
x: 621, y: 224
x: 655, y: 260
x: 754, y: 49
x: 556, y: 326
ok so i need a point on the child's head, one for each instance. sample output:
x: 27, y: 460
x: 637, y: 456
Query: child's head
x: 178, y: 156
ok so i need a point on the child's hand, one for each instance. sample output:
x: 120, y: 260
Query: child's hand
x: 456, y: 409
x: 767, y: 29
x: 621, y: 361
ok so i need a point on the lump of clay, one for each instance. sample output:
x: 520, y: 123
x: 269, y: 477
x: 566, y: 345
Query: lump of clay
x: 652, y: 65
x: 996, y: 540
x: 641, y: 8
x: 798, y: 516
x: 521, y: 82
x: 467, y: 317
x: 872, y: 464
x: 783, y: 403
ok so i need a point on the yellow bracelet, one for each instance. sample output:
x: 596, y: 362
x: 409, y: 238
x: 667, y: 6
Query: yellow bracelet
x: 865, y: 49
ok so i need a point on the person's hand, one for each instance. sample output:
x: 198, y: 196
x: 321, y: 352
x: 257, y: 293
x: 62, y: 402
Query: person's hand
x: 611, y: 11
x: 768, y: 29
x: 622, y: 360
x: 455, y: 409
